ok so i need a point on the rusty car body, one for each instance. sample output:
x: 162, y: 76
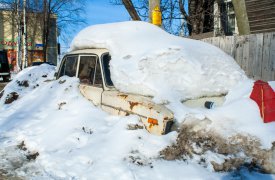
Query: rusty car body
x: 91, y: 66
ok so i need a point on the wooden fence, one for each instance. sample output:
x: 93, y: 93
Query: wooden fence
x: 255, y: 53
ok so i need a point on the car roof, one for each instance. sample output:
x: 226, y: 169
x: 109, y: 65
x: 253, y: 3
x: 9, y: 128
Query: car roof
x: 98, y: 51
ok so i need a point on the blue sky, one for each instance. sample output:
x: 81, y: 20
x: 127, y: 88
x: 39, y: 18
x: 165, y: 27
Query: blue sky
x: 100, y: 12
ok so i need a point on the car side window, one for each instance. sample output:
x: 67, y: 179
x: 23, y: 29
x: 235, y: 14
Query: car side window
x: 89, y: 71
x: 106, y: 68
x: 86, y: 69
x: 69, y: 66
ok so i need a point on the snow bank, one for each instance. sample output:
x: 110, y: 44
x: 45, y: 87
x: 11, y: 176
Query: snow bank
x: 147, y: 60
x: 76, y: 140
x: 28, y: 80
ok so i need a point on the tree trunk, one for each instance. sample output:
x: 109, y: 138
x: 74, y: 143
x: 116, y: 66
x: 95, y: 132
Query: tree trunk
x: 186, y: 16
x: 131, y: 9
x: 25, y: 46
x: 241, y: 16
x: 45, y: 29
x: 18, y: 50
x: 196, y: 11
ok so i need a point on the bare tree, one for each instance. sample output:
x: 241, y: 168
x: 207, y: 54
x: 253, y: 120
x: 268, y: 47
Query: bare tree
x: 191, y: 16
x: 69, y: 15
x: 200, y: 16
x: 171, y: 17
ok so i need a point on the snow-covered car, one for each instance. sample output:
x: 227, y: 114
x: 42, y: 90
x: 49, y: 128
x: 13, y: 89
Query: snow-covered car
x: 91, y: 66
x: 137, y: 68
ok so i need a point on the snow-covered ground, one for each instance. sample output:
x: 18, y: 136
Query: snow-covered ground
x: 76, y: 140
x: 50, y: 131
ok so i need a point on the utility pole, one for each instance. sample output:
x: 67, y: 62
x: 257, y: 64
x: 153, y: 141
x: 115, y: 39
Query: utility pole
x: 25, y: 47
x: 18, y: 49
x: 154, y: 12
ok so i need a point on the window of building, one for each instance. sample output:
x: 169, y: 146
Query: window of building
x: 230, y: 17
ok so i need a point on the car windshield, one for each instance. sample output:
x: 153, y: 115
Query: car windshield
x: 106, y: 68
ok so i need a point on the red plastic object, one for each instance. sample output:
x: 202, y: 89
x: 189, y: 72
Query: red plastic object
x: 264, y: 96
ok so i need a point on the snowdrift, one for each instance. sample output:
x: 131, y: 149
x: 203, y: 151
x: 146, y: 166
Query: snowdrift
x: 52, y: 132
x: 147, y: 60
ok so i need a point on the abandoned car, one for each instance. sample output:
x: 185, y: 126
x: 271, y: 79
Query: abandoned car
x: 91, y: 66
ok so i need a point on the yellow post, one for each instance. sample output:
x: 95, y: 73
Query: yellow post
x: 156, y: 16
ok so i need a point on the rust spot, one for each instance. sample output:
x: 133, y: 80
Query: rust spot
x: 152, y: 122
x: 133, y: 104
x: 123, y: 96
x: 151, y: 125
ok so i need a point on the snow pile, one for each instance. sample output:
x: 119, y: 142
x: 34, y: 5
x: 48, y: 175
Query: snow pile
x: 52, y: 132
x: 238, y: 115
x: 147, y: 60
x: 28, y: 80
x: 49, y: 131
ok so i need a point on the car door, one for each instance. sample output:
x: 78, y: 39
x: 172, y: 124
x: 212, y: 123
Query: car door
x: 89, y: 74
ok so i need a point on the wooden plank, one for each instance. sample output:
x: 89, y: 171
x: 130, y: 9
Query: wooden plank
x: 266, y: 56
x: 229, y: 45
x: 207, y: 40
x: 255, y: 53
x: 255, y: 56
x: 252, y: 55
x: 272, y: 56
x: 239, y: 49
x: 216, y: 41
x: 245, y: 59
x: 222, y: 43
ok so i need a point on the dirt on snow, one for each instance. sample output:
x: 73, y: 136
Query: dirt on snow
x: 238, y: 150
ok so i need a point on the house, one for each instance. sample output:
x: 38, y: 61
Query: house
x: 224, y: 18
x: 9, y: 34
x: 259, y: 17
